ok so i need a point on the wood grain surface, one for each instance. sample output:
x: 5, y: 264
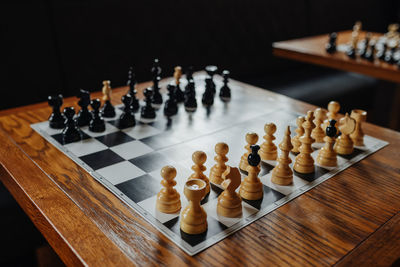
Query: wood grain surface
x: 312, y: 50
x: 88, y: 225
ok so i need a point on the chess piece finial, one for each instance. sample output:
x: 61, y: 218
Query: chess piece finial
x: 304, y: 163
x: 344, y: 145
x: 282, y: 174
x: 199, y: 158
x: 251, y: 139
x: 229, y: 202
x: 318, y: 133
x: 327, y: 155
x: 300, y: 131
x: 221, y: 149
x: 71, y: 132
x: 357, y: 136
x: 268, y: 149
x: 194, y: 217
x: 56, y: 119
x: 251, y: 187
x: 168, y: 199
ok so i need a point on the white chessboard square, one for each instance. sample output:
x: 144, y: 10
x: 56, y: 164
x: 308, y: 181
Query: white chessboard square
x: 44, y: 126
x: 149, y: 205
x: 368, y: 142
x: 211, y: 210
x: 141, y: 131
x: 109, y: 129
x: 120, y: 172
x: 284, y: 189
x: 85, y: 147
x: 131, y: 150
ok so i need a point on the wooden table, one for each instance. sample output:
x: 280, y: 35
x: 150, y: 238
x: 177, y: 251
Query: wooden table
x: 327, y: 225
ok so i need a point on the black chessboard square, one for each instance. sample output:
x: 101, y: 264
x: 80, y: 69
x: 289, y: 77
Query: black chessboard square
x: 270, y: 196
x: 265, y: 168
x: 319, y: 171
x: 101, y: 159
x: 151, y: 162
x: 114, y: 139
x: 355, y: 153
x: 59, y: 137
x: 214, y: 228
x: 140, y: 188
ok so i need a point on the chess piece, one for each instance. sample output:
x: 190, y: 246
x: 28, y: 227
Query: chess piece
x: 208, y: 95
x: 333, y: 111
x: 127, y: 118
x: 304, y: 163
x: 156, y: 99
x: 352, y: 49
x: 300, y: 131
x: 148, y: 114
x: 168, y: 199
x: 327, y: 155
x: 190, y: 97
x: 170, y: 107
x: 193, y: 216
x: 225, y: 91
x: 84, y: 115
x: 179, y: 95
x: 364, y: 49
x: 344, y: 144
x: 56, y: 119
x: 389, y: 57
x: 251, y: 139
x: 268, y: 149
x: 358, y: 135
x: 96, y: 124
x: 370, y: 54
x: 282, y: 174
x: 134, y: 106
x: 211, y: 71
x: 199, y: 158
x: 216, y: 171
x: 108, y: 111
x: 71, y: 132
x: 318, y: 133
x: 330, y: 47
x: 189, y: 73
x: 251, y: 187
x: 229, y: 202
x: 382, y: 53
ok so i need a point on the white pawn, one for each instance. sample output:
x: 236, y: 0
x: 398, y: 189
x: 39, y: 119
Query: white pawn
x: 268, y: 150
x: 221, y: 149
x: 318, y: 133
x: 300, y: 131
x: 168, y: 200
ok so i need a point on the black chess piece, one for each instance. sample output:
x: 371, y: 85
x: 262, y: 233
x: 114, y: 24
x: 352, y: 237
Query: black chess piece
x: 96, y: 123
x: 351, y: 52
x: 389, y: 57
x: 254, y: 159
x: 189, y: 73
x: 211, y: 71
x: 108, y: 110
x: 190, y: 97
x: 134, y: 106
x: 208, y: 95
x: 364, y: 50
x: 71, y: 131
x: 156, y: 69
x: 171, y: 106
x: 84, y: 115
x: 381, y: 53
x: 370, y: 55
x: 148, y: 113
x: 127, y: 118
x: 331, y: 130
x: 225, y: 91
x: 330, y: 47
x: 56, y: 119
x: 156, y: 100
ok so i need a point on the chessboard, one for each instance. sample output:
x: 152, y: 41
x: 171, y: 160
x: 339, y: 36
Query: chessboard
x: 128, y: 161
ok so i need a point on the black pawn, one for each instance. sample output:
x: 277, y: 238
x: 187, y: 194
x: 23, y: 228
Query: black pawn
x: 381, y: 54
x: 351, y: 52
x: 254, y: 159
x: 97, y: 123
x: 179, y: 94
x: 71, y: 132
x: 190, y: 97
x: 56, y: 119
x: 84, y: 115
x: 134, y: 106
x: 211, y: 71
x: 389, y: 57
x: 208, y: 95
x: 127, y: 118
x: 189, y: 73
x: 170, y: 107
x: 330, y: 47
x: 148, y: 112
x: 157, y: 97
x: 225, y: 91
x: 331, y: 130
x: 370, y: 55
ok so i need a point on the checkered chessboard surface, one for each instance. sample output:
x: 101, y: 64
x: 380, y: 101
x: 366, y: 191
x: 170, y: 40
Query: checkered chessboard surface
x: 128, y: 161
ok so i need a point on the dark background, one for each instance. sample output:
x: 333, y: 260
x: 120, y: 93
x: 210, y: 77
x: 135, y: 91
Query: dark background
x: 51, y: 47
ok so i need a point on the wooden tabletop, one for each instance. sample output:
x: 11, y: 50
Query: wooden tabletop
x: 312, y: 50
x: 352, y: 218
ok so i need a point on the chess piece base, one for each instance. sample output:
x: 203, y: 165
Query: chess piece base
x: 304, y: 163
x: 282, y: 179
x: 229, y: 206
x: 251, y: 191
x: 167, y: 203
x: 193, y: 223
x: 344, y: 146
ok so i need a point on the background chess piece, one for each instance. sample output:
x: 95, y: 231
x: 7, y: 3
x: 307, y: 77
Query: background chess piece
x: 148, y: 113
x: 300, y: 131
x: 221, y: 149
x: 282, y: 174
x: 225, y: 91
x: 194, y: 217
x: 170, y: 106
x: 199, y: 158
x: 56, y: 119
x: 71, y: 132
x: 251, y: 187
x: 344, y: 145
x: 268, y: 150
x: 327, y: 155
x: 84, y: 116
x: 108, y: 111
x: 134, y: 105
x: 168, y: 199
x: 127, y: 118
x: 229, y: 202
x: 190, y: 102
x: 179, y: 95
x: 304, y: 163
x: 96, y: 124
x: 333, y: 111
x: 318, y: 133
x: 330, y: 47
x: 251, y: 139
x: 156, y: 99
x: 358, y: 135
